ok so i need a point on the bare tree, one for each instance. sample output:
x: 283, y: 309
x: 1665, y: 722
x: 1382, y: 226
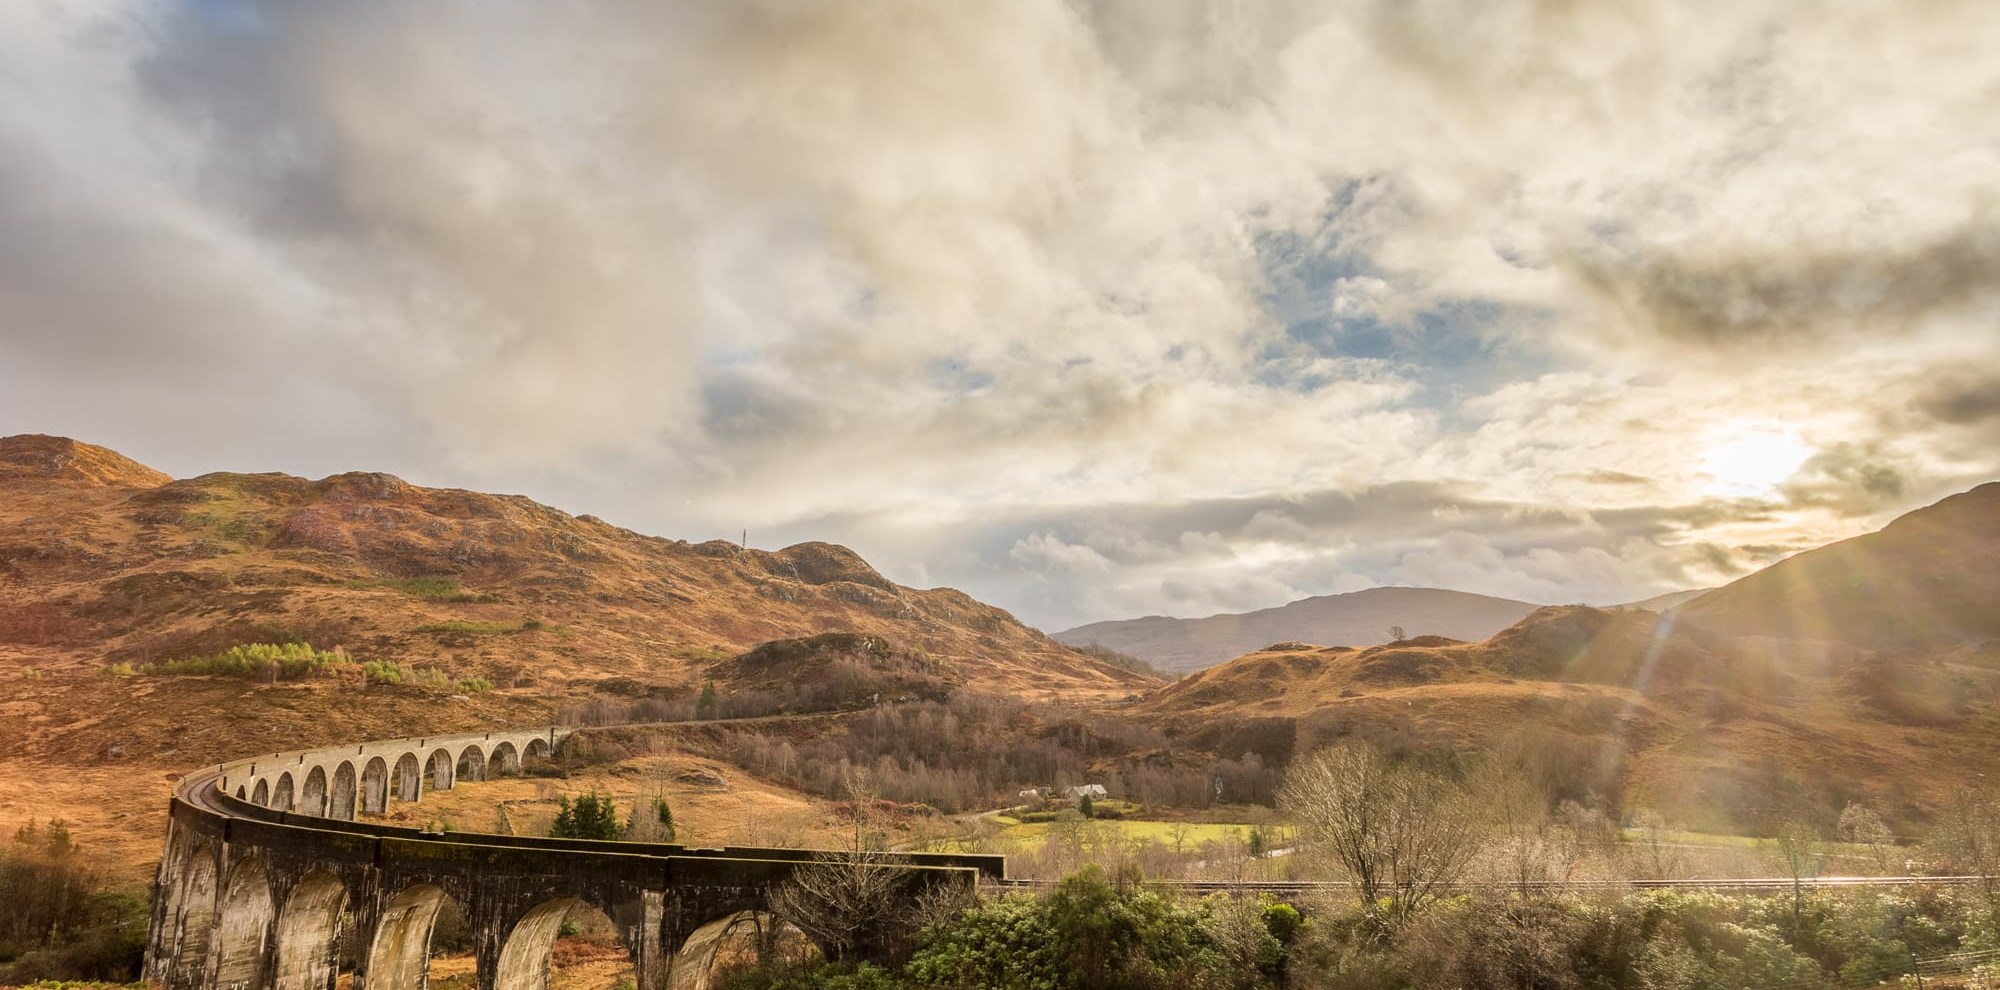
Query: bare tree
x: 1405, y: 835
x: 1861, y: 826
x: 1660, y: 857
x: 1798, y: 852
x: 1966, y: 838
x: 849, y: 902
x: 845, y: 902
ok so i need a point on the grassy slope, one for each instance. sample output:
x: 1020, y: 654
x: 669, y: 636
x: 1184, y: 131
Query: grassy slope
x: 103, y: 560
x: 1710, y: 730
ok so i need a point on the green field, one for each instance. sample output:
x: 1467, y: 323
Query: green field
x: 1191, y: 834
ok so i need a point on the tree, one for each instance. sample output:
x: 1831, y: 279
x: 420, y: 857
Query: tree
x: 1404, y: 834
x: 1085, y: 808
x: 705, y: 706
x: 849, y: 902
x: 1798, y: 850
x: 1396, y: 634
x: 1966, y: 838
x: 1661, y: 856
x: 654, y: 823
x: 591, y: 816
x: 1861, y: 826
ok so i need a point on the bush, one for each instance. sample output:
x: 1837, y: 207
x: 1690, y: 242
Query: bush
x: 286, y: 661
x: 61, y: 922
x: 382, y: 672
x: 474, y: 685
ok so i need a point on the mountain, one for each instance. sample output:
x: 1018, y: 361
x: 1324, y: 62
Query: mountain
x: 1928, y: 581
x: 1715, y: 732
x: 1670, y: 600
x: 1361, y: 617
x: 105, y: 560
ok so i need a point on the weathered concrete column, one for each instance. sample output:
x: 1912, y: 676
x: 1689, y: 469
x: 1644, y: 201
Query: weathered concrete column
x: 488, y: 919
x: 639, y: 920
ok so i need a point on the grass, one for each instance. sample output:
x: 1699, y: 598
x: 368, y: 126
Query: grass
x: 1141, y: 830
x: 481, y: 628
x: 433, y: 588
x: 704, y: 653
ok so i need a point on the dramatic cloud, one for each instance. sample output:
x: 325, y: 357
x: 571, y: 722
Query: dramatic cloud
x: 1090, y: 308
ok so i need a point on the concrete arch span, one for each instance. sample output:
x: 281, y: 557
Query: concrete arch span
x: 442, y: 766
x: 693, y: 967
x: 308, y: 933
x: 506, y: 759
x: 261, y: 795
x: 375, y: 786
x: 399, y: 955
x: 524, y: 958
x: 312, y: 797
x: 243, y: 935
x: 340, y: 800
x: 407, y: 780
x: 282, y: 793
x: 471, y: 764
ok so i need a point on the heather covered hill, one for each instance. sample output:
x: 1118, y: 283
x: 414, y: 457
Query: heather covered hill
x: 1928, y: 581
x: 103, y: 561
x: 1355, y: 619
x: 1623, y: 703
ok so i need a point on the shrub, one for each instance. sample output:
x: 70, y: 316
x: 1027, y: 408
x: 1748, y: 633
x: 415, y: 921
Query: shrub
x: 287, y: 661
x: 61, y: 922
x: 382, y: 672
x: 474, y: 685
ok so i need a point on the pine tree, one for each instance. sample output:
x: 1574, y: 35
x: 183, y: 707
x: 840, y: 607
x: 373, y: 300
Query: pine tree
x: 1086, y: 808
x: 666, y: 817
x: 705, y: 706
x: 589, y: 817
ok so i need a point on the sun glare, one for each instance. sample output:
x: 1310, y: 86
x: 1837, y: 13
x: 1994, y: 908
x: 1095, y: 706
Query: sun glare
x: 1752, y: 460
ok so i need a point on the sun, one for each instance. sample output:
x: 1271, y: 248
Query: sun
x: 1752, y: 459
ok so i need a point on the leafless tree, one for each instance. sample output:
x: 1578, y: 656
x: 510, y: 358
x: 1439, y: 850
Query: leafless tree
x: 1861, y: 826
x: 1404, y: 835
x: 1798, y: 844
x: 1966, y: 837
x: 1660, y: 857
x: 845, y: 902
x: 849, y: 902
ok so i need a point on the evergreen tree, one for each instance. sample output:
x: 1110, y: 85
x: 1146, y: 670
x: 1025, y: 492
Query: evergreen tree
x: 666, y: 817
x: 1086, y: 808
x: 704, y: 707
x: 591, y: 816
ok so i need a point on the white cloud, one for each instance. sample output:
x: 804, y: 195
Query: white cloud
x: 991, y: 297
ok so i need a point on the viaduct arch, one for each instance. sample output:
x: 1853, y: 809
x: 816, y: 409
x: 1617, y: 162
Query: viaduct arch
x: 269, y: 859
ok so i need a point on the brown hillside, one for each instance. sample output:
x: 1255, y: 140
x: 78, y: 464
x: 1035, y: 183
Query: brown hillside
x: 1713, y: 731
x: 382, y: 569
x: 1926, y: 582
x: 32, y: 455
x: 105, y: 562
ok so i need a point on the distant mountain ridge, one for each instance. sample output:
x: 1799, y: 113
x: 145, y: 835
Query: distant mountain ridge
x: 1928, y: 581
x: 1360, y: 618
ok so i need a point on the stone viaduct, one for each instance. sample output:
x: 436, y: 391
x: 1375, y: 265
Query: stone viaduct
x: 266, y: 864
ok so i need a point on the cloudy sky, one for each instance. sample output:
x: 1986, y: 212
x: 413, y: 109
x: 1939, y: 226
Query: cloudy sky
x: 1091, y: 309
